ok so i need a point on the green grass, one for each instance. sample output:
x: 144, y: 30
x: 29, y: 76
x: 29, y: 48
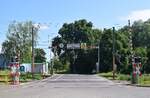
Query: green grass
x: 4, y: 76
x: 144, y: 80
x: 63, y: 72
x: 25, y: 77
x: 108, y: 75
x: 4, y: 72
x: 123, y: 77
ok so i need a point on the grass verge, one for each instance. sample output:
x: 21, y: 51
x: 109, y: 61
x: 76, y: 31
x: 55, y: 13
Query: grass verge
x: 26, y: 77
x: 5, y: 77
x: 144, y: 80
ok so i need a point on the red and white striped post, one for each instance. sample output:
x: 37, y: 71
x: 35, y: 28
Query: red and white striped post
x: 15, y: 71
x: 137, y: 66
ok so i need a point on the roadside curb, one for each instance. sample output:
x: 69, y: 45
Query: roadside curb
x: 26, y: 83
x: 129, y: 84
x: 138, y: 85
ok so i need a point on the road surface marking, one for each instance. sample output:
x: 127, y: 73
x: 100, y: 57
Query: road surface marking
x: 58, y: 77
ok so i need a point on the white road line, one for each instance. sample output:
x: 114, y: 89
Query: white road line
x: 58, y: 77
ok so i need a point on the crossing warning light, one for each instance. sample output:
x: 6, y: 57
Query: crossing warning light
x: 15, y: 70
x: 140, y: 65
x: 137, y: 59
x: 134, y: 73
x: 140, y: 74
x: 134, y: 65
x: 16, y: 59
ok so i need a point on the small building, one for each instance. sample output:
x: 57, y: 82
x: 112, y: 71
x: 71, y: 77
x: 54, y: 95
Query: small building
x: 3, y: 62
x: 38, y: 68
x: 25, y: 67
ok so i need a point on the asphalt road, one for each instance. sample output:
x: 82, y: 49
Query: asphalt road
x: 73, y: 86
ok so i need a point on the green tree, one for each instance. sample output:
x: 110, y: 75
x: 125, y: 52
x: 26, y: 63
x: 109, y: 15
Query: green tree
x: 84, y: 60
x: 58, y: 66
x: 19, y: 38
x: 121, y: 50
x: 141, y: 36
x: 141, y: 33
x: 40, y: 55
x: 106, y: 50
x: 80, y: 31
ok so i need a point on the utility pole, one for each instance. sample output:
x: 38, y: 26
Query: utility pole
x: 32, y: 51
x: 98, y: 64
x: 50, y: 60
x: 74, y: 57
x: 114, y: 65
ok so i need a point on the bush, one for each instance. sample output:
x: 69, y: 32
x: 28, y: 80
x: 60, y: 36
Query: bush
x: 57, y: 65
x: 28, y: 77
x: 109, y: 75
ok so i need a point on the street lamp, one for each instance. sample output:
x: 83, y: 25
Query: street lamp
x: 51, y: 61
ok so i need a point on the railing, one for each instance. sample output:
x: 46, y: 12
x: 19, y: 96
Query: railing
x: 5, y: 78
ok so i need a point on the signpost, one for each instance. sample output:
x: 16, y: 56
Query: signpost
x: 79, y: 46
x: 73, y: 46
x: 61, y: 45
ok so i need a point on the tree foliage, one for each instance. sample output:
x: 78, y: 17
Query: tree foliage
x: 19, y: 40
x: 84, y: 60
x: 78, y: 32
x: 40, y: 55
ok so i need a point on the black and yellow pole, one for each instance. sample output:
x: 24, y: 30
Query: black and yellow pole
x: 134, y: 75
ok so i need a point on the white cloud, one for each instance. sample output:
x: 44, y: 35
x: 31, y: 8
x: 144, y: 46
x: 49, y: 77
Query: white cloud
x: 41, y: 26
x: 0, y: 48
x: 44, y: 27
x: 138, y: 15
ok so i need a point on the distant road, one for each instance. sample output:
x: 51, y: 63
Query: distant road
x: 73, y: 86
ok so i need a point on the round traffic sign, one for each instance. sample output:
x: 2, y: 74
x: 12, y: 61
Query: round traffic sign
x: 61, y: 45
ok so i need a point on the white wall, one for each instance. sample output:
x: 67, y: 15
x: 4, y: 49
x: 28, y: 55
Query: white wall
x: 38, y: 68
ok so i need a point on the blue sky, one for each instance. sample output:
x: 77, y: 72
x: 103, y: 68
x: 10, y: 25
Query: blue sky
x: 103, y: 13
